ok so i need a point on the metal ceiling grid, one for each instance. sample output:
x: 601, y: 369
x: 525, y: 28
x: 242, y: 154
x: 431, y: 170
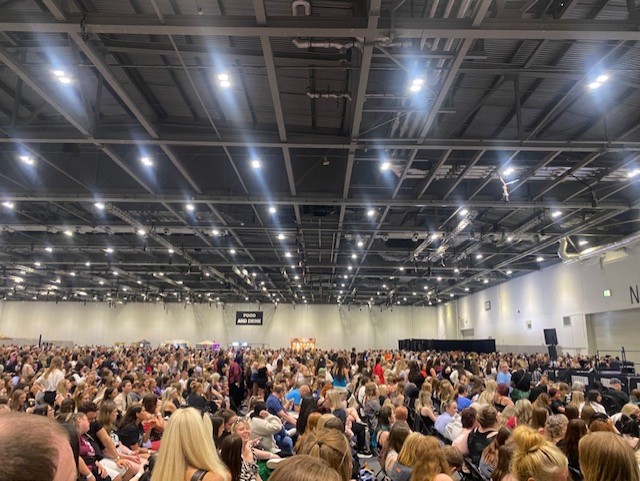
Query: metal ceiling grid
x: 321, y: 157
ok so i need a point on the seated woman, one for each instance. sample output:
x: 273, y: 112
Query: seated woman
x: 303, y: 466
x: 397, y: 436
x: 430, y: 463
x: 535, y: 459
x: 354, y: 427
x: 480, y: 437
x: 168, y: 402
x: 489, y: 458
x: 332, y: 446
x: 154, y: 423
x: 107, y: 417
x: 130, y: 431
x: 501, y: 398
x: 402, y: 469
x: 187, y: 450
x: 264, y: 427
x: 606, y: 456
x: 196, y: 398
x: 90, y: 455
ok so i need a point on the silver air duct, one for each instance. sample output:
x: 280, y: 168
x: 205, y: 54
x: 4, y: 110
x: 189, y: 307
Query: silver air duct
x: 328, y: 94
x: 596, y: 250
x: 300, y: 3
x: 307, y: 43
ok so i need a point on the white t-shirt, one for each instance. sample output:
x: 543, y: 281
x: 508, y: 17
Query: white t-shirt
x: 51, y: 382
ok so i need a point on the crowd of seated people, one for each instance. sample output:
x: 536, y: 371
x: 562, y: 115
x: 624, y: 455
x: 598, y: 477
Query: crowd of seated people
x: 251, y: 415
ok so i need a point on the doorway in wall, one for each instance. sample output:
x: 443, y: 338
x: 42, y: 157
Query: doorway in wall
x: 609, y: 332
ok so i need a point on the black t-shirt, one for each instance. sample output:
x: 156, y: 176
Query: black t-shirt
x: 129, y: 434
x: 94, y: 427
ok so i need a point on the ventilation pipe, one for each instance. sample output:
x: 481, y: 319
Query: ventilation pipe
x: 300, y: 3
x: 342, y: 46
x: 596, y: 250
x: 328, y: 94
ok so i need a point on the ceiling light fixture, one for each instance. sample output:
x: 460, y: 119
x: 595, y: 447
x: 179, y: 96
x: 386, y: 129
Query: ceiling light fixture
x: 99, y: 206
x: 371, y: 213
x: 215, y: 232
x: 171, y: 251
x: 48, y: 249
x: 272, y: 210
x: 88, y: 264
x: 256, y: 164
x: 27, y: 160
x: 68, y: 233
x: 354, y: 256
x: 141, y: 232
x: 416, y: 85
x: 232, y: 251
x: 385, y: 166
x: 510, y: 238
x: 466, y: 289
x: 463, y: 212
x: 508, y: 171
x: 349, y: 268
x: 401, y: 268
x: 287, y: 254
x: 479, y: 256
x: 633, y: 173
x: 109, y: 250
x: 556, y: 214
x: 539, y: 259
x: 146, y: 161
x: 224, y: 80
x: 360, y: 244
x: 509, y: 272
x: 191, y: 207
x: 583, y: 242
x: 456, y: 271
x: 281, y: 237
x: 486, y: 281
x: 62, y: 76
x: 8, y: 204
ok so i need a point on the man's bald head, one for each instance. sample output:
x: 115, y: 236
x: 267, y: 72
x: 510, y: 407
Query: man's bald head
x: 34, y: 448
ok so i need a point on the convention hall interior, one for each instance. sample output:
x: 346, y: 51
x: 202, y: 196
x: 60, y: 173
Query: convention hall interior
x: 357, y: 172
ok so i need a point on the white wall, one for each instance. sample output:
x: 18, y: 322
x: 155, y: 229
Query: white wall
x: 546, y: 296
x: 333, y: 327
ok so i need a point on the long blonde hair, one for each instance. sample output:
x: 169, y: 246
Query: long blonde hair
x: 489, y: 393
x: 332, y: 446
x: 430, y: 459
x: 187, y: 443
x: 408, y: 455
x: 534, y: 456
x: 56, y: 363
x: 607, y: 457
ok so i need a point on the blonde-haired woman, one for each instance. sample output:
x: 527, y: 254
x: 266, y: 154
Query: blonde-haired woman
x: 430, y: 464
x: 303, y: 467
x: 424, y: 407
x: 535, y: 459
x: 606, y: 456
x: 489, y: 393
x: 407, y: 457
x: 48, y: 382
x: 332, y: 446
x: 187, y: 450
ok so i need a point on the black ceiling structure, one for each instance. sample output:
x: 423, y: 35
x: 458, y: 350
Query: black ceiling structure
x: 322, y: 151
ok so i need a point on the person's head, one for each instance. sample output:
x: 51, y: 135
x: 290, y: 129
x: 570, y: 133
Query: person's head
x: 312, y: 421
x: 502, y: 389
x: 229, y: 417
x: 556, y: 427
x: 242, y: 428
x: 587, y: 414
x: 593, y: 396
x: 454, y: 458
x: 598, y: 424
x: 571, y: 412
x: 303, y: 467
x: 308, y: 405
x: 539, y: 418
x: 332, y: 446
x: 606, y: 456
x: 576, y: 429
x: 90, y: 409
x: 628, y: 425
x: 616, y: 384
x: 385, y: 415
x: 41, y: 452
x: 452, y: 408
x: 108, y: 414
x: 217, y: 426
x: 231, y: 455
x: 397, y: 436
x: 630, y: 409
x: 187, y: 441
x: 487, y: 417
x: 401, y: 413
x: 125, y: 387
x: 430, y: 460
x: 408, y: 455
x: 335, y: 398
x: 67, y: 406
x: 535, y: 459
x: 150, y: 403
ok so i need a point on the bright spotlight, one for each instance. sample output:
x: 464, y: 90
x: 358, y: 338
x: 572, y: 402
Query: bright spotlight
x: 281, y: 237
x: 287, y: 254
x: 99, y: 205
x: 146, y: 161
x: 479, y: 256
x: 49, y: 249
x: 8, y: 204
x: 583, y: 242
x: 633, y: 173
x: 215, y: 232
x: 371, y: 213
x: 68, y: 233
x: 385, y: 166
x: 26, y: 159
x: 360, y: 244
x: 556, y: 214
x: 415, y: 88
x: 486, y: 281
x: 272, y: 210
x: 256, y: 164
x: 539, y: 259
x: 232, y: 251
x: 508, y: 171
x: 223, y: 76
x: 191, y: 207
x: 463, y: 212
x: 466, y: 289
x: 354, y: 256
x: 142, y: 232
x: 109, y: 250
x: 509, y: 272
x: 602, y: 78
x: 418, y: 81
x: 594, y: 85
x: 171, y: 251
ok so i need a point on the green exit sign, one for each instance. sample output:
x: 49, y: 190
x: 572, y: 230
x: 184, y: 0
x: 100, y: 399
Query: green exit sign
x: 606, y: 293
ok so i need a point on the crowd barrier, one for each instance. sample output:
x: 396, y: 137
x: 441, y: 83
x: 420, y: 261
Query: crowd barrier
x: 592, y: 378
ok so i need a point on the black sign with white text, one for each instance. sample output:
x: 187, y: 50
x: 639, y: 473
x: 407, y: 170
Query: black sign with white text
x: 249, y: 318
